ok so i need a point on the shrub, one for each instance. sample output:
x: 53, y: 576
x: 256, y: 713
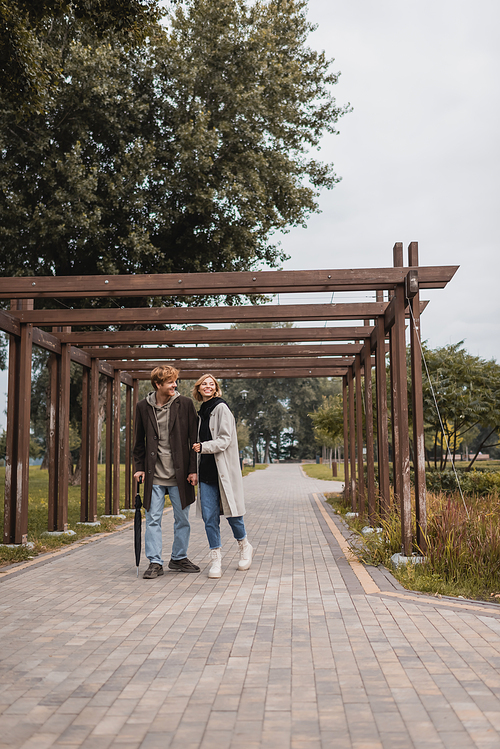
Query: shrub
x: 475, y: 483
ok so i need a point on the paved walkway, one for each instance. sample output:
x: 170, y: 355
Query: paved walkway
x: 303, y: 650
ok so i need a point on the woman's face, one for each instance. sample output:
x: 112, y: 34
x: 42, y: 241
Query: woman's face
x: 207, y: 388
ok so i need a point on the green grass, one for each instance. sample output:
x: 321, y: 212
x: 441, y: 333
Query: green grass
x: 323, y: 471
x: 250, y: 469
x: 38, y: 515
x: 463, y: 555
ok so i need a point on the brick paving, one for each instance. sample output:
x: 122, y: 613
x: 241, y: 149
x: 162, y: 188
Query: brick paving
x: 293, y: 653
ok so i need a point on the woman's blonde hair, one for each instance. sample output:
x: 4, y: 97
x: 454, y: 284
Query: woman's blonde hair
x: 196, y: 389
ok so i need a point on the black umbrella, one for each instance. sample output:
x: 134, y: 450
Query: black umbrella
x: 137, y: 527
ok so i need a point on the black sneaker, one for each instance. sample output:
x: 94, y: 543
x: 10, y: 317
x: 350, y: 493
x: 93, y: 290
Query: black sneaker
x: 183, y: 565
x: 154, y: 570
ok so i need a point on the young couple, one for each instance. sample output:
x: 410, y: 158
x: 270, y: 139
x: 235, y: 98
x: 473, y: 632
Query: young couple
x: 174, y: 450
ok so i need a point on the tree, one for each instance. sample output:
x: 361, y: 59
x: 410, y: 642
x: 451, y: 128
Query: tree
x: 185, y: 154
x: 328, y: 421
x: 25, y: 25
x: 466, y: 389
x: 277, y: 413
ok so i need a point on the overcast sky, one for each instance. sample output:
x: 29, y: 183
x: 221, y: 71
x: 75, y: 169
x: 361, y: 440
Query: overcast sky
x: 419, y: 154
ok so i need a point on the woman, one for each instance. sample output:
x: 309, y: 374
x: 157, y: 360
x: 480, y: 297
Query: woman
x: 220, y: 484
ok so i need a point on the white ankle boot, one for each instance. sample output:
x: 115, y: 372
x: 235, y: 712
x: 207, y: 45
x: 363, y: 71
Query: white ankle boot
x: 216, y: 566
x: 246, y: 553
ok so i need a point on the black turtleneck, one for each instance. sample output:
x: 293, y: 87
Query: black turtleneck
x: 208, y: 467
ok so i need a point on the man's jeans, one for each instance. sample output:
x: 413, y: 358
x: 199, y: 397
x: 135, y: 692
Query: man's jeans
x: 210, y: 510
x: 182, y: 529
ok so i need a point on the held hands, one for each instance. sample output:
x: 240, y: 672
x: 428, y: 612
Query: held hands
x: 193, y: 478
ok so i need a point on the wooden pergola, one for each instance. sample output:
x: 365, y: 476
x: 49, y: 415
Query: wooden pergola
x: 363, y: 334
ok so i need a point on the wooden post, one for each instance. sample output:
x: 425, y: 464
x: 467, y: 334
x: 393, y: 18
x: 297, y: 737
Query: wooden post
x: 128, y: 440
x: 135, y: 400
x: 345, y: 404
x: 370, y: 459
x: 417, y: 409
x: 64, y: 456
x: 382, y: 423
x: 116, y: 442
x: 401, y: 411
x: 94, y: 441
x: 352, y: 440
x: 398, y: 489
x: 84, y: 455
x: 24, y: 434
x: 359, y: 435
x: 54, y: 365
x: 9, y: 529
x: 108, y: 490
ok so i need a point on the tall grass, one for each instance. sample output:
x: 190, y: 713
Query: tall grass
x: 463, y: 545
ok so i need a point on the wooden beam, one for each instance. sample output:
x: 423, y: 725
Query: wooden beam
x: 227, y: 336
x: 204, y: 315
x: 244, y: 282
x: 47, y: 341
x: 9, y: 324
x: 106, y: 369
x: 250, y: 374
x: 205, y: 365
x: 80, y: 357
x: 127, y: 379
x: 224, y: 352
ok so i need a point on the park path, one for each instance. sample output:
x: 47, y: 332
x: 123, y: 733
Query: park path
x: 303, y: 650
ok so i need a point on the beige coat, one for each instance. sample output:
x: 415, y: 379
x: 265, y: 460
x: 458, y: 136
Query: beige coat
x: 224, y: 446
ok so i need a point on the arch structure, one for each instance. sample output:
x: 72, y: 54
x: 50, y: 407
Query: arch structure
x: 363, y: 334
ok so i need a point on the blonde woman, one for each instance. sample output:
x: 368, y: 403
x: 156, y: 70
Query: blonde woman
x: 220, y: 482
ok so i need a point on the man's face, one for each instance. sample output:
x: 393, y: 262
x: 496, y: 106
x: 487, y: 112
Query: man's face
x: 166, y: 389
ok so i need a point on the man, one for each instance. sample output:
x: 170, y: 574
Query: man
x: 166, y: 426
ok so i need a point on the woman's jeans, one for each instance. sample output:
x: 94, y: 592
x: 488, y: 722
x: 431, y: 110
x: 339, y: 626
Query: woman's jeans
x: 210, y: 510
x: 182, y: 529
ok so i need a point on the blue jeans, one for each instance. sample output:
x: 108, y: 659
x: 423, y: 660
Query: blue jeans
x: 182, y: 529
x: 210, y: 510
